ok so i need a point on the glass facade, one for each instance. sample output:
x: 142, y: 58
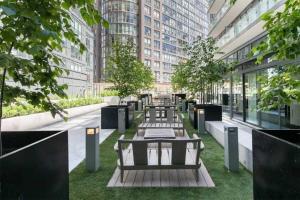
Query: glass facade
x: 240, y: 98
x: 172, y: 24
x: 123, y: 19
x: 160, y: 28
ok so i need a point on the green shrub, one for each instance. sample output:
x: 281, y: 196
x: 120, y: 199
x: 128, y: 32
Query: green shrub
x: 107, y: 92
x: 27, y: 109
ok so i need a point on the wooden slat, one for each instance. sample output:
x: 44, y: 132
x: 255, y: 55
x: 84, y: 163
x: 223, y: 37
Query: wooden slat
x: 182, y: 178
x: 130, y: 178
x: 164, y: 178
x: 147, y: 178
x: 114, y: 178
x: 173, y: 178
x: 155, y: 178
x: 190, y: 178
x: 139, y: 178
x: 206, y: 176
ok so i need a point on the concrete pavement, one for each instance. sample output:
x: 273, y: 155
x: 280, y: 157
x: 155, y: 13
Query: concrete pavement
x: 76, y: 135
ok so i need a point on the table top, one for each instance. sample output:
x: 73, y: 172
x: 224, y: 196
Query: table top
x: 167, y: 133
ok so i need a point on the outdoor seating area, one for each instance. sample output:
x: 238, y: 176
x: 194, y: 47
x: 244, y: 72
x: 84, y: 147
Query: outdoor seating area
x: 150, y: 99
x: 161, y: 154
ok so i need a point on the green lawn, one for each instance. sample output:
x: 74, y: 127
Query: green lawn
x: 85, y: 185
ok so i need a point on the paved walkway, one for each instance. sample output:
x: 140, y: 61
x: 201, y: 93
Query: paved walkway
x: 76, y: 128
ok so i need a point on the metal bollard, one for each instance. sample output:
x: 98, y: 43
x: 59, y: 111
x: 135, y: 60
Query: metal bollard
x: 170, y: 115
x: 140, y: 106
x: 152, y: 115
x: 121, y: 120
x: 92, y: 149
x: 231, y: 148
x: 201, y: 121
x: 183, y: 105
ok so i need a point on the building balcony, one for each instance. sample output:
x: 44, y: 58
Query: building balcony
x: 246, y: 27
x: 226, y: 15
x: 215, y: 6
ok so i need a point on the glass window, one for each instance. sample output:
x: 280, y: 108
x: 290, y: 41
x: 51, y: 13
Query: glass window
x: 147, y: 52
x: 156, y: 54
x: 147, y: 42
x: 147, y: 20
x: 147, y: 10
x: 147, y: 31
x: 156, y: 24
x: 251, y: 98
x: 156, y: 65
x: 237, y: 96
x: 147, y: 62
x: 156, y: 34
x: 156, y: 4
x: 156, y: 44
x: 156, y: 14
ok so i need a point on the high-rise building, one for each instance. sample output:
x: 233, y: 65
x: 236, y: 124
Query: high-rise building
x: 80, y: 66
x: 238, y: 28
x: 160, y: 29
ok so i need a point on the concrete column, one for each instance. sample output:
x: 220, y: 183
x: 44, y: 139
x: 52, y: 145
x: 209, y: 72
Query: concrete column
x: 152, y: 113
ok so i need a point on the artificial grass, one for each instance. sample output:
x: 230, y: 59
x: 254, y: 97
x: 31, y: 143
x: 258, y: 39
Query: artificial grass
x: 85, y: 185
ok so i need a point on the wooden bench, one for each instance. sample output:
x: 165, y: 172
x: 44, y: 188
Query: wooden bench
x: 182, y: 154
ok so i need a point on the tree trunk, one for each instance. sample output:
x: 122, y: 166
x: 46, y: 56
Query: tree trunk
x: 1, y: 107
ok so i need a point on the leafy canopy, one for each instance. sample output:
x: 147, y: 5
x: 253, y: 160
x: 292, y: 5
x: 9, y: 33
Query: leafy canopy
x: 38, y: 29
x: 128, y: 74
x: 201, y: 69
x: 282, y: 43
x: 280, y: 87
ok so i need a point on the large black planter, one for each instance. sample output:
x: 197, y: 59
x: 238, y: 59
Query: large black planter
x: 109, y: 116
x: 276, y: 164
x: 182, y: 96
x: 141, y: 96
x: 188, y: 102
x: 136, y: 104
x: 211, y: 113
x: 34, y: 165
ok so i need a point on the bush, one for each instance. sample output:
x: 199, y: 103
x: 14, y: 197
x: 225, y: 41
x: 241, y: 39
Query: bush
x: 107, y: 93
x: 27, y: 109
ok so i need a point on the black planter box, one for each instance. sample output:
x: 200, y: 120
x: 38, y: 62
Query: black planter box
x: 211, y: 113
x: 34, y: 165
x: 146, y: 95
x: 276, y: 164
x: 182, y: 96
x: 136, y: 104
x: 109, y: 116
x: 187, y: 103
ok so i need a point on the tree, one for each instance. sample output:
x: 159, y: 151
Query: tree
x: 179, y: 77
x: 282, y: 43
x: 201, y: 70
x: 37, y: 29
x: 128, y: 74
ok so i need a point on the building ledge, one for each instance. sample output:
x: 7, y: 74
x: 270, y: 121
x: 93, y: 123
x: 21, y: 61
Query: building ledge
x: 229, y: 16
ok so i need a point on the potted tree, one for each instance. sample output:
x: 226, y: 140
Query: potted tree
x: 34, y: 164
x: 200, y: 71
x: 128, y: 76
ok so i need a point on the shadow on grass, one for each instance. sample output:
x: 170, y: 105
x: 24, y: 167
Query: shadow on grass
x: 85, y: 185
